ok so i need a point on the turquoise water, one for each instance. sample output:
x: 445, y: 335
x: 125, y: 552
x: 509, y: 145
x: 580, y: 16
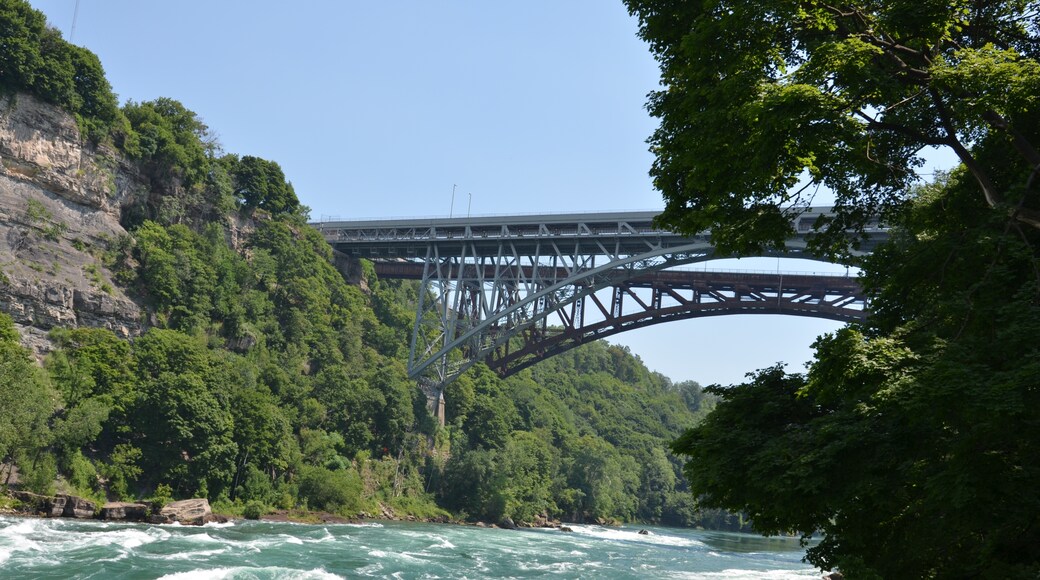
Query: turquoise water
x: 59, y: 548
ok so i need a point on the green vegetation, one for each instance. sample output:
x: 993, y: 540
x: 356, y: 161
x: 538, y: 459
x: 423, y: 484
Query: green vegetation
x: 801, y: 95
x: 264, y: 381
x: 35, y: 59
x: 579, y: 436
x: 910, y: 443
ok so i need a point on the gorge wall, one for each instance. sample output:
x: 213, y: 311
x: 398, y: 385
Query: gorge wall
x: 60, y: 206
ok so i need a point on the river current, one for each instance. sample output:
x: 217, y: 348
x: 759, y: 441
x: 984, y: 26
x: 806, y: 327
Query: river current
x: 61, y: 548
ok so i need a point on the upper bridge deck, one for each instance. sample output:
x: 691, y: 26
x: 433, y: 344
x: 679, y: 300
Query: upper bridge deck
x: 624, y: 232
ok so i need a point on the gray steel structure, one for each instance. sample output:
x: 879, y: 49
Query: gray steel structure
x: 512, y: 290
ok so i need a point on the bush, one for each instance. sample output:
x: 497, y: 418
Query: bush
x: 254, y: 510
x: 333, y: 491
x: 163, y: 495
x: 38, y: 474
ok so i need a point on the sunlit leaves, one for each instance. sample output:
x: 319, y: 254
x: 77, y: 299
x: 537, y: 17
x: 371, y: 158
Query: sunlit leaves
x: 759, y: 97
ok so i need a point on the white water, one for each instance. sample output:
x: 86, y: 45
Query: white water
x: 56, y: 548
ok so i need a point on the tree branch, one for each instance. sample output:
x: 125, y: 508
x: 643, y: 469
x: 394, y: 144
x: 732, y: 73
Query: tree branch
x: 921, y: 136
x: 989, y: 189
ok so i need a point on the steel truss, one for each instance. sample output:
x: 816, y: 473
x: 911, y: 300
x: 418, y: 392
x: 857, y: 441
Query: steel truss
x: 511, y: 310
x: 513, y: 290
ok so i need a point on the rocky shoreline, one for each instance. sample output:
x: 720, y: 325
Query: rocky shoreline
x: 188, y: 512
x: 388, y: 514
x: 197, y: 512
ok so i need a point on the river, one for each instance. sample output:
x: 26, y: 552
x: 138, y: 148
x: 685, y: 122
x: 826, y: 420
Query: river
x: 62, y: 548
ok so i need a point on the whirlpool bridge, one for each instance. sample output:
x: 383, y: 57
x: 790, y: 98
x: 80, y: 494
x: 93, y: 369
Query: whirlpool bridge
x: 513, y: 290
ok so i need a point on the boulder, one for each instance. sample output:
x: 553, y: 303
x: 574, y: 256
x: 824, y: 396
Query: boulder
x: 76, y: 507
x: 60, y: 506
x: 834, y: 576
x: 35, y: 503
x: 124, y: 511
x: 644, y: 533
x: 56, y: 509
x: 566, y: 529
x: 188, y: 512
x: 507, y: 523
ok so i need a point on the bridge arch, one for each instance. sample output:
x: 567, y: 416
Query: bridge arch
x: 513, y: 290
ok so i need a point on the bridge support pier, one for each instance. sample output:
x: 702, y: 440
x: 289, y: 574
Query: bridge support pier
x: 434, y: 398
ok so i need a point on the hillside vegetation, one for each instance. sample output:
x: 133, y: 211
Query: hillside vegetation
x: 262, y: 378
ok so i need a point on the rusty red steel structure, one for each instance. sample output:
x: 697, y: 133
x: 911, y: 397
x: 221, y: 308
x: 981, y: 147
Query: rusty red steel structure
x: 513, y: 290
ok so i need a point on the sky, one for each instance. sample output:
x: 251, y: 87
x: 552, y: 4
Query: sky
x: 381, y: 109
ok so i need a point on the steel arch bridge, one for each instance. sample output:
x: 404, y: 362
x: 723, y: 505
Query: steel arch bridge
x: 514, y: 290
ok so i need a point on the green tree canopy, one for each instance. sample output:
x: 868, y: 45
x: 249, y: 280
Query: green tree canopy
x: 172, y: 139
x: 765, y: 102
x: 911, y: 442
x: 34, y: 58
x: 260, y: 183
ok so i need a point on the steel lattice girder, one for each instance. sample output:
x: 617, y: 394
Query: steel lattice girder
x: 679, y: 295
x: 487, y: 281
x: 473, y: 307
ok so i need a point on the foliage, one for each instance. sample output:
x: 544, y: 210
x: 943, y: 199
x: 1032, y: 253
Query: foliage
x: 800, y: 95
x: 579, y: 436
x: 35, y: 59
x: 909, y: 442
x: 28, y: 401
x: 263, y: 378
x: 333, y: 491
x: 170, y: 138
x: 254, y: 510
x: 261, y: 184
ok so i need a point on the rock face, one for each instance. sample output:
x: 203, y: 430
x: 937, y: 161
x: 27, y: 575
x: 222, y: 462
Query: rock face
x: 60, y: 204
x: 193, y: 512
x: 123, y: 511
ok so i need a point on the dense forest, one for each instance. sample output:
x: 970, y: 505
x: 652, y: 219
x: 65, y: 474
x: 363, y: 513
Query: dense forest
x: 263, y: 380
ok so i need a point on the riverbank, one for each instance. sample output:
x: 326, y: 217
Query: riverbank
x: 197, y: 511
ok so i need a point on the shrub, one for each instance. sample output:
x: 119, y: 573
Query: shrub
x: 254, y: 510
x: 334, y: 491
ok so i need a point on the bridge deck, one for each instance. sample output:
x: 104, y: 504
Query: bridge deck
x: 621, y: 231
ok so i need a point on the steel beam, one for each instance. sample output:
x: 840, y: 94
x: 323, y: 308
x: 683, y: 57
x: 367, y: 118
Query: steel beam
x: 511, y: 290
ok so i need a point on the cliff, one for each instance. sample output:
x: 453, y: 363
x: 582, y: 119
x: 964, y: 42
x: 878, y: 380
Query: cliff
x: 60, y: 206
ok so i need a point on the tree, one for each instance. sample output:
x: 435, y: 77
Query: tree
x: 27, y: 400
x: 911, y: 441
x: 34, y: 58
x: 766, y: 102
x: 607, y: 481
x: 172, y: 139
x: 260, y: 183
x: 523, y: 478
x: 183, y: 421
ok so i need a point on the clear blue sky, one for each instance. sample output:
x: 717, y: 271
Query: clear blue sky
x: 376, y: 109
